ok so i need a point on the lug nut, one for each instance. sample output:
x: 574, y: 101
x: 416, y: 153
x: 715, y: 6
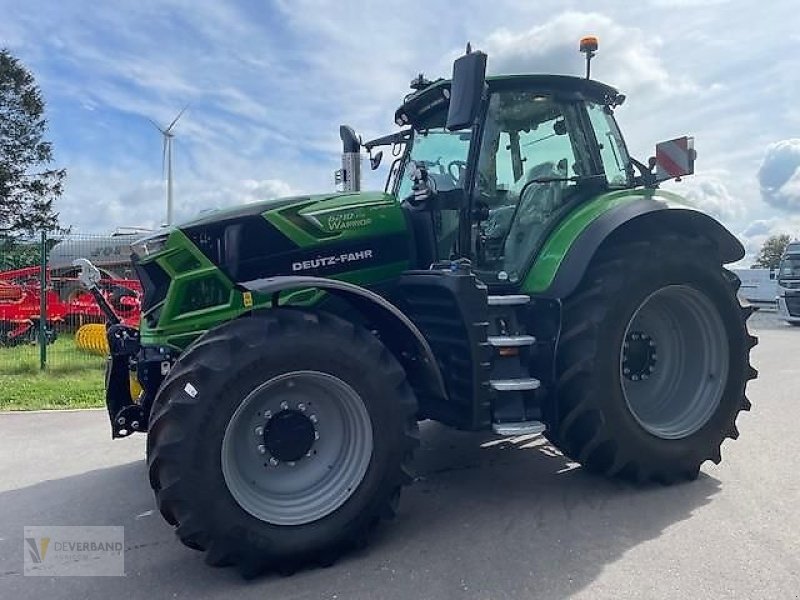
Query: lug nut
x: 301, y: 407
x: 259, y: 430
x: 645, y: 376
x: 316, y: 435
x: 635, y: 377
x: 291, y: 463
x: 273, y: 462
x: 626, y: 345
x: 262, y: 449
x: 634, y: 336
x: 626, y: 371
x: 284, y: 406
x: 313, y: 418
x: 652, y: 344
x: 135, y: 424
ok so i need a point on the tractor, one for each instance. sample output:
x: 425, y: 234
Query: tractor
x: 520, y: 274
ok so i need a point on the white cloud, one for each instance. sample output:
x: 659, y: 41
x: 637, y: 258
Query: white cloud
x: 756, y: 233
x: 142, y: 203
x: 628, y: 55
x: 779, y: 175
x: 709, y: 193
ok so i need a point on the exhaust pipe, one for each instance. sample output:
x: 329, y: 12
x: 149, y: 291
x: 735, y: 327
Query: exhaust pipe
x: 350, y: 173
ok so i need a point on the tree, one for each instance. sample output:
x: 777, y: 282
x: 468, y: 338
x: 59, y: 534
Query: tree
x: 769, y: 257
x: 28, y: 185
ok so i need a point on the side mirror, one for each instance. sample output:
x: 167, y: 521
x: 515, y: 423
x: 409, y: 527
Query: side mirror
x: 466, y: 90
x: 674, y: 159
x: 375, y: 159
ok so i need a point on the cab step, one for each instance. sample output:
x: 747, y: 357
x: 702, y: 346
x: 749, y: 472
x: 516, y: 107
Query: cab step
x: 515, y: 385
x: 511, y: 341
x: 519, y: 428
x: 509, y: 300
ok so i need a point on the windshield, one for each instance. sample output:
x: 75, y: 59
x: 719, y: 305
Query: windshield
x: 444, y: 153
x: 790, y: 267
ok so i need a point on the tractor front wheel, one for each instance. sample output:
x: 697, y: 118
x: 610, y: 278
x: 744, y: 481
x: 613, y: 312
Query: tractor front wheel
x: 653, y: 361
x: 281, y: 439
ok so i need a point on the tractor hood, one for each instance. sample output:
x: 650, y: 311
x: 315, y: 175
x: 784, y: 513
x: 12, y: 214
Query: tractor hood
x: 327, y: 202
x: 307, y: 234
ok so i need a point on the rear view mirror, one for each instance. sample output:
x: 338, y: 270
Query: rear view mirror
x: 375, y: 159
x: 674, y: 158
x: 466, y: 90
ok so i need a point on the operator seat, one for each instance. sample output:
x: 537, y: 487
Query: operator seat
x: 540, y: 200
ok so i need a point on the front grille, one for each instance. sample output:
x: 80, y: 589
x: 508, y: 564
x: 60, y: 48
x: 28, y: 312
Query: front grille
x: 793, y: 305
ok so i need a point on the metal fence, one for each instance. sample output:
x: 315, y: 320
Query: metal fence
x: 48, y: 322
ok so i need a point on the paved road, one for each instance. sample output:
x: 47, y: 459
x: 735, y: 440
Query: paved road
x: 487, y: 518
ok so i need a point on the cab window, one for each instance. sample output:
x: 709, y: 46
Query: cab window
x: 616, y: 163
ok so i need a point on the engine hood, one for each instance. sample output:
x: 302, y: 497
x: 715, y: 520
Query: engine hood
x: 325, y: 201
x: 299, y: 234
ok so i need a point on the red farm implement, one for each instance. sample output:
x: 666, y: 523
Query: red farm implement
x: 67, y: 304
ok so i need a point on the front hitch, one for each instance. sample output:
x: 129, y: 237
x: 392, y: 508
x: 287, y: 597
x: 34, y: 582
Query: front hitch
x: 126, y: 416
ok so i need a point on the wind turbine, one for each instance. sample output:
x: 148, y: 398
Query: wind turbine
x: 166, y: 157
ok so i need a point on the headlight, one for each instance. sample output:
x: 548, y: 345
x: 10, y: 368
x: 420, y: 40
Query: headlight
x: 150, y: 245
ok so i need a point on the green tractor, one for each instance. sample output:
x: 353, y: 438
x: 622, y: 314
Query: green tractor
x: 521, y: 274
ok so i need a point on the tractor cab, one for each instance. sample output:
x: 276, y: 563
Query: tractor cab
x: 541, y: 145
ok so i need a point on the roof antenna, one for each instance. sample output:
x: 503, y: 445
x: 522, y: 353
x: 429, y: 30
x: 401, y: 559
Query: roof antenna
x: 589, y: 45
x: 469, y: 48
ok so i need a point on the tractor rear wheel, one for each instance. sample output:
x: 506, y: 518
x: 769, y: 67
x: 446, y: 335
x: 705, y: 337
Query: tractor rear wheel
x: 281, y: 439
x: 653, y: 361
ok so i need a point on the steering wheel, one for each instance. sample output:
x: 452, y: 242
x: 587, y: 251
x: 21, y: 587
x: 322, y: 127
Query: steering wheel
x: 461, y: 166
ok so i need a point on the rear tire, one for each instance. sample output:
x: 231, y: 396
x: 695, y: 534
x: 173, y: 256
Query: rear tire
x: 663, y: 305
x: 211, y: 469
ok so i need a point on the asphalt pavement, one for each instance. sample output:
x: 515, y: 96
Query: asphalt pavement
x: 488, y: 517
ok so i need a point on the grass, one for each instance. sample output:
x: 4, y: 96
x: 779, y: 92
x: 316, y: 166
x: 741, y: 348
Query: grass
x: 72, y: 379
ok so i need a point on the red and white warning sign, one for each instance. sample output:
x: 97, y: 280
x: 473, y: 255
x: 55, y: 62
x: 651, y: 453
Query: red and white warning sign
x: 675, y: 158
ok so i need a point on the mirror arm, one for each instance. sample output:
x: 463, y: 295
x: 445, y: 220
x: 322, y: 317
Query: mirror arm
x: 647, y: 176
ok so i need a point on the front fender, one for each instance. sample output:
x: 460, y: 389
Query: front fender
x: 398, y: 332
x: 560, y: 266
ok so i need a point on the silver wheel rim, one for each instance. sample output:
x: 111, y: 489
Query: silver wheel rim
x: 274, y: 424
x: 674, y: 362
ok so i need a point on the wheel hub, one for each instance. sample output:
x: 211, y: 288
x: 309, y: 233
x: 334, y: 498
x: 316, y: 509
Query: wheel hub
x: 297, y: 447
x: 638, y: 356
x: 289, y: 435
x: 685, y: 390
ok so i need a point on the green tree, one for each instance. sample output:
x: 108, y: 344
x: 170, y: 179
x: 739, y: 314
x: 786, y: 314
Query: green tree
x: 28, y: 184
x: 769, y: 257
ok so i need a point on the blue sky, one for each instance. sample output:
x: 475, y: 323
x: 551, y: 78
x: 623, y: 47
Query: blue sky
x: 269, y: 82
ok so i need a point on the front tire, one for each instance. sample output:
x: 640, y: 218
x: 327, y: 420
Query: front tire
x: 653, y: 361
x: 281, y: 439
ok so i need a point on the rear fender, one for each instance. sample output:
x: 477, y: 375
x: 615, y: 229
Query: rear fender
x: 397, y: 331
x: 640, y: 219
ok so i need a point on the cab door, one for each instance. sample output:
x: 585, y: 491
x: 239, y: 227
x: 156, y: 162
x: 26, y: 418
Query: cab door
x: 533, y: 157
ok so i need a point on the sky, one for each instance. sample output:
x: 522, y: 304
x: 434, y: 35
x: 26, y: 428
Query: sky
x: 268, y: 83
